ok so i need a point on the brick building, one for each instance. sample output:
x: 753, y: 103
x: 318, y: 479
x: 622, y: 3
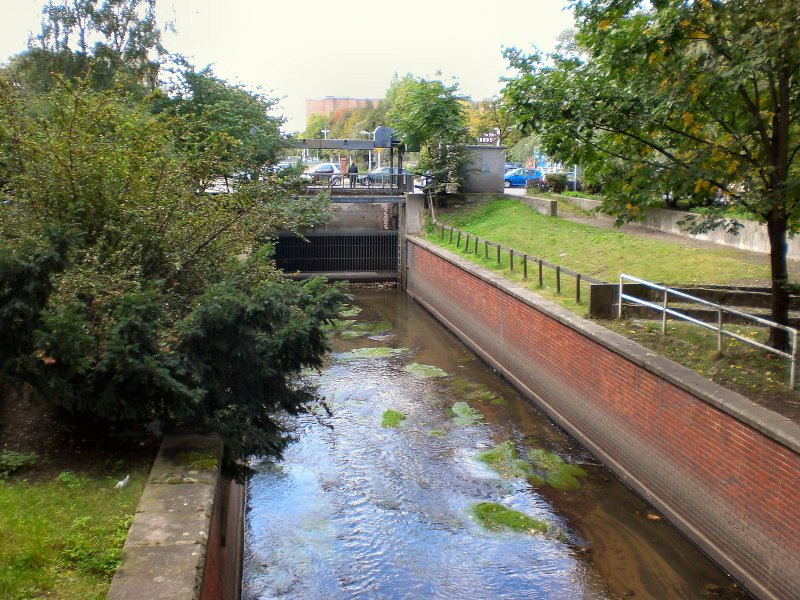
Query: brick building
x: 330, y: 104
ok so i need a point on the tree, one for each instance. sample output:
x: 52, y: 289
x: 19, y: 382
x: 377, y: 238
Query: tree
x: 430, y: 115
x: 225, y: 127
x: 489, y: 115
x: 315, y: 125
x: 128, y: 296
x: 111, y: 40
x: 690, y: 98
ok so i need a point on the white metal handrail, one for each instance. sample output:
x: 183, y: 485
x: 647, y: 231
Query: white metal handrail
x: 664, y: 309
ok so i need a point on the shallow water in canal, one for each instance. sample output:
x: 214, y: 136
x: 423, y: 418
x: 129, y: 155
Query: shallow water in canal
x: 363, y: 507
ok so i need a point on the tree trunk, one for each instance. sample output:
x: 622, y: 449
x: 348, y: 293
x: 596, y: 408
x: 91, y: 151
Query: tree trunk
x: 776, y: 229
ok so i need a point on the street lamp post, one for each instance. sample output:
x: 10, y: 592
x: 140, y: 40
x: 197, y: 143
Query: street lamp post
x: 324, y: 136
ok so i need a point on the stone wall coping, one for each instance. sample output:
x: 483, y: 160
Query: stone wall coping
x: 165, y: 551
x: 777, y: 427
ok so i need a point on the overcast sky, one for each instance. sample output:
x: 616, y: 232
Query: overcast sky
x: 312, y: 49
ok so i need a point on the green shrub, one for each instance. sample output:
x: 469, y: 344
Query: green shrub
x: 126, y: 295
x: 557, y: 182
x: 11, y: 461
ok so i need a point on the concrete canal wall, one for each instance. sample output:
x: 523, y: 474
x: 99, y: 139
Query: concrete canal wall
x: 722, y: 469
x: 185, y: 542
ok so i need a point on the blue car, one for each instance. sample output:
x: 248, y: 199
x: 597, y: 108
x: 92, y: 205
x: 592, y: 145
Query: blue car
x: 518, y: 177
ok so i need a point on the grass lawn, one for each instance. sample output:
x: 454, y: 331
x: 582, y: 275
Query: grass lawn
x: 604, y: 254
x: 63, y: 538
x: 62, y: 522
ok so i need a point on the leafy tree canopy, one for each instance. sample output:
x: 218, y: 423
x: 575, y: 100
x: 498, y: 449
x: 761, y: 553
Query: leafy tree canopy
x: 111, y: 41
x: 127, y: 293
x: 697, y: 99
x: 430, y: 115
x: 485, y: 116
x: 225, y: 126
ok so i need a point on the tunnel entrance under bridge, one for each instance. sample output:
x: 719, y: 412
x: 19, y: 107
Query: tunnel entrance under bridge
x: 354, y: 255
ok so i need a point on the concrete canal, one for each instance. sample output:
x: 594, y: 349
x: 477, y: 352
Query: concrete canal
x: 385, y: 490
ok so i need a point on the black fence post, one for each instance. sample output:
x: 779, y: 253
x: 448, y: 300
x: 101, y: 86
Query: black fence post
x: 466, y: 244
x: 541, y: 280
x: 558, y: 279
x: 458, y: 239
x: 511, y: 259
x: 578, y: 288
x: 498, y: 254
x: 524, y: 266
x: 476, y: 245
x: 451, y: 234
x: 486, y: 248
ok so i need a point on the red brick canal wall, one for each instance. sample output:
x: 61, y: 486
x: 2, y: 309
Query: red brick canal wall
x: 722, y: 469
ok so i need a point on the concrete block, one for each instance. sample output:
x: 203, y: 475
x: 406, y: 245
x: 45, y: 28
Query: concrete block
x: 158, y: 572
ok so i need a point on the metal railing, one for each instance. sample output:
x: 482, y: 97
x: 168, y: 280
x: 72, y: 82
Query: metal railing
x: 393, y: 184
x: 523, y: 257
x: 664, y: 309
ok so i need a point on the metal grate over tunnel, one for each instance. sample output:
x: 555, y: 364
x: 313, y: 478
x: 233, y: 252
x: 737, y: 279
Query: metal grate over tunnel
x: 354, y: 255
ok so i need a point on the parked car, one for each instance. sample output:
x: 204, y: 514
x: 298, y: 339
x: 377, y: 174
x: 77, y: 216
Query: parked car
x: 573, y: 184
x: 518, y: 177
x: 324, y: 173
x: 380, y: 176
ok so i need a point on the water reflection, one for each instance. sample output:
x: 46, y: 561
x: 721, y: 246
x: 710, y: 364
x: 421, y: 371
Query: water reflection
x: 358, y: 510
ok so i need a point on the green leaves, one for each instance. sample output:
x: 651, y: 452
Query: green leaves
x: 696, y: 101
x: 154, y: 301
x: 430, y: 115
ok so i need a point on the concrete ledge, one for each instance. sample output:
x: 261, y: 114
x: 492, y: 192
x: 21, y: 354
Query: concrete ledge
x: 165, y: 552
x: 482, y: 196
x: 545, y: 206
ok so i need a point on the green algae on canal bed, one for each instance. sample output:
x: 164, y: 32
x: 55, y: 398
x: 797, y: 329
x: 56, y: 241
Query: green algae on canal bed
x: 424, y: 371
x: 465, y: 414
x: 559, y: 475
x: 497, y: 516
x: 392, y: 418
x: 505, y: 460
x: 380, y: 352
x: 350, y: 311
x: 541, y: 468
x: 357, y: 330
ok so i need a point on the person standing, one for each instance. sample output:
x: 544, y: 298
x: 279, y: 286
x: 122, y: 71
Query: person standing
x: 352, y: 174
